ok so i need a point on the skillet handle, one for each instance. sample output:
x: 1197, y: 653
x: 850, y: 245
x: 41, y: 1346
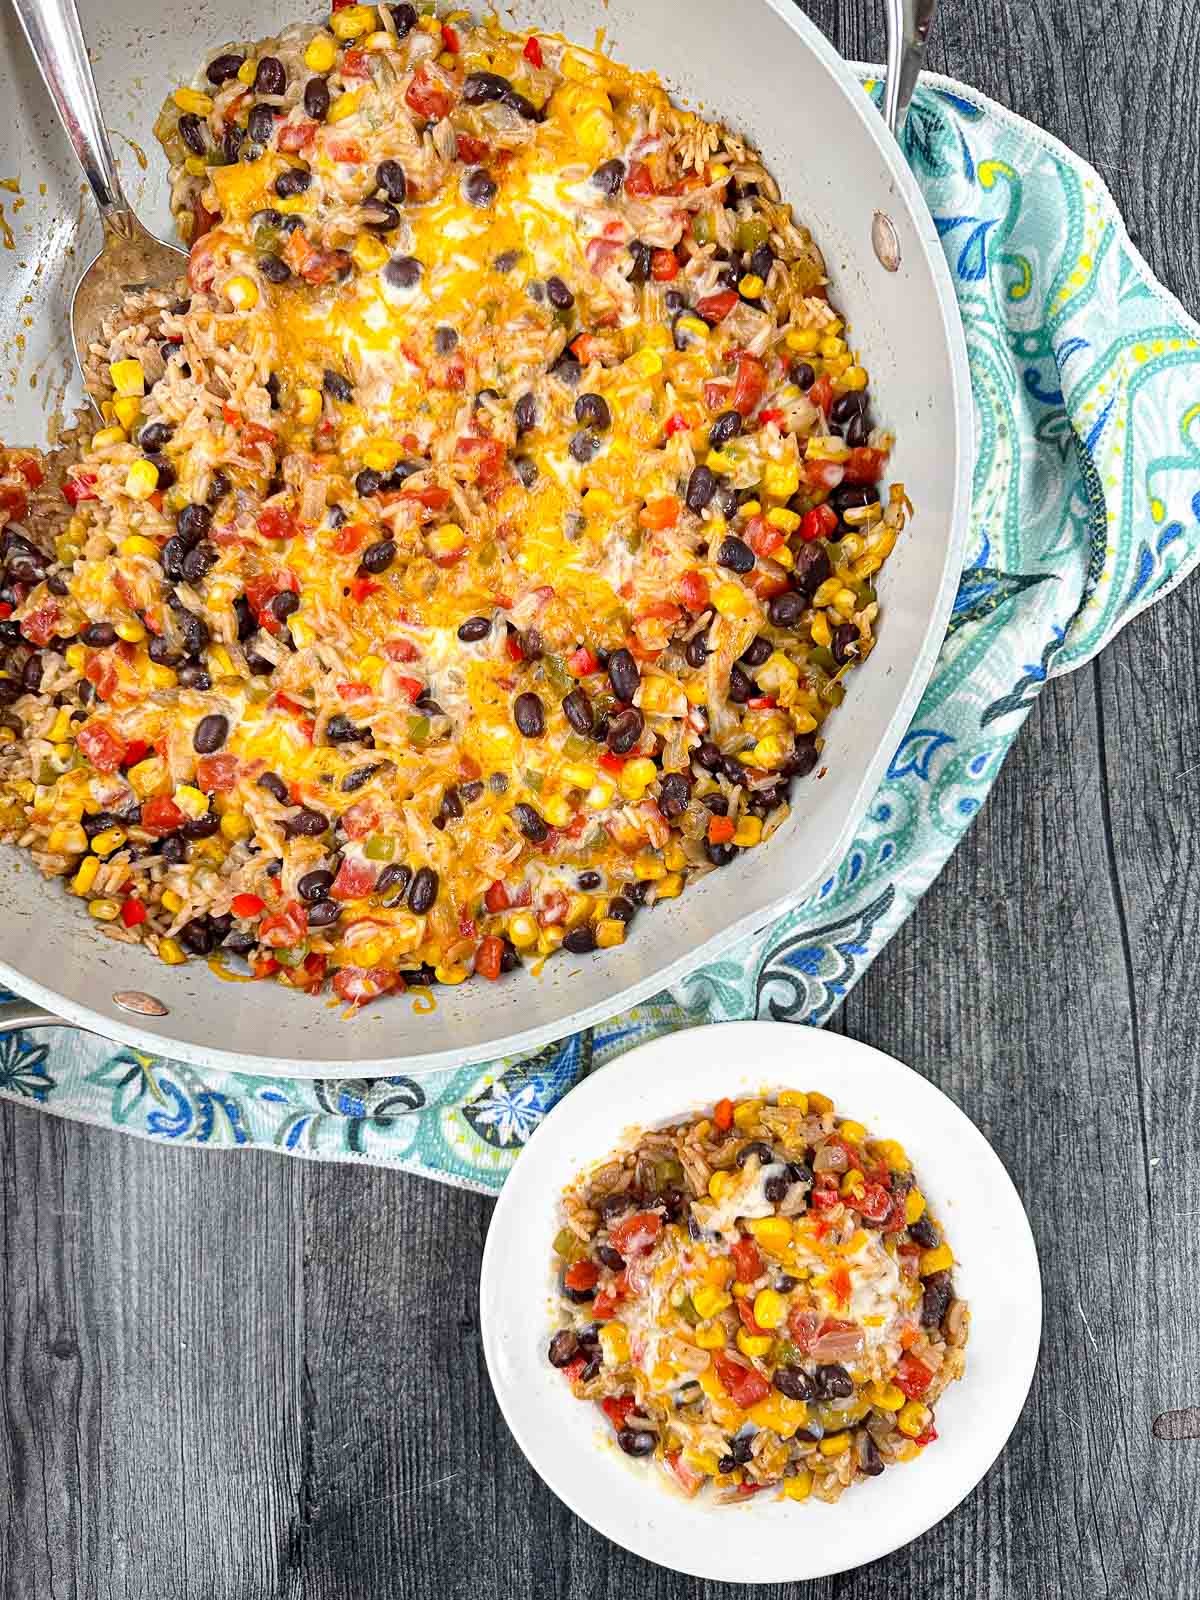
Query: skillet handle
x: 24, y: 1014
x: 908, y: 25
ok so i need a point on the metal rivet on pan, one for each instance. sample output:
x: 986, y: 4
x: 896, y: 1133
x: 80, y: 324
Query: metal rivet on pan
x: 145, y: 1005
x: 885, y: 241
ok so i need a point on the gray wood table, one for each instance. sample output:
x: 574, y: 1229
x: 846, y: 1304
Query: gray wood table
x: 237, y: 1375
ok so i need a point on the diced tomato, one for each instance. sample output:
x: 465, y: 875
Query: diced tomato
x: 821, y: 392
x: 770, y: 414
x: 617, y: 1408
x: 723, y: 1115
x: 613, y: 763
x: 912, y: 1376
x: 720, y: 830
x: 763, y: 537
x: 747, y: 1262
x: 435, y: 498
x: 297, y: 250
x: 354, y: 691
x: 664, y: 265
x: 552, y: 908
x: 285, y: 928
x: 276, y: 522
x: 38, y: 627
x: 715, y: 308
x: 745, y: 1310
x: 217, y: 774
x: 489, y: 956
x: 297, y: 136
x: 823, y: 1199
x: 135, y: 749
x: 263, y: 966
x: 411, y: 688
x: 356, y: 64
x: 638, y: 181
x: 102, y: 675
x: 160, y: 815
x: 582, y: 1275
x: 744, y: 1386
x: 133, y: 912
x: 361, y: 985
x: 573, y: 1370
x: 803, y: 1327
x: 633, y: 1236
x: 400, y: 650
x: 360, y: 820
x: 14, y: 501
x: 246, y: 905
x: 354, y: 881
x: 874, y: 1202
x: 687, y: 1480
x: 864, y: 465
x: 693, y: 591
x: 533, y: 51
x: 761, y: 702
x: 79, y: 486
x: 716, y: 394
x: 749, y: 385
x: 427, y: 95
x: 471, y: 150
x: 818, y: 523
x: 839, y: 1284
x: 362, y: 588
x: 450, y: 38
x: 104, y: 749
x: 676, y: 423
x: 496, y: 898
x: 604, y: 1306
x: 581, y: 663
x: 31, y: 471
x: 659, y: 514
x: 927, y: 1437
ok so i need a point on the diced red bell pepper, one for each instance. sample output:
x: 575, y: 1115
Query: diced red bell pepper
x: 246, y: 905
x: 763, y: 537
x: 582, y: 1275
x: 450, y: 38
x: 362, y: 588
x: 770, y: 414
x: 803, y: 1327
x: 745, y: 1310
x: 496, y: 897
x: 864, y: 466
x: 573, y: 1370
x: 13, y: 501
x: 31, y: 471
x: 102, y: 675
x: 533, y: 52
x: 912, y: 1376
x: 133, y: 912
x: 723, y: 1110
x: 818, y: 523
x: 356, y: 64
x: 104, y: 749
x: 720, y: 830
x: 638, y: 181
x: 411, y: 688
x: 160, y: 815
x: 749, y: 385
x: 617, y: 1408
x: 664, y: 265
x: 633, y: 1236
x: 471, y: 151
x: 747, y: 1262
x: 276, y: 522
x: 744, y: 1386
x: 286, y: 928
x: 693, y: 591
x: 687, y: 1480
x: 581, y: 663
x: 927, y: 1437
x: 676, y: 423
x: 263, y: 966
x: 427, y: 95
x: 489, y: 956
x: 715, y: 308
x: 354, y: 691
x: 875, y: 1203
x: 823, y: 1199
x: 613, y: 763
x: 79, y: 486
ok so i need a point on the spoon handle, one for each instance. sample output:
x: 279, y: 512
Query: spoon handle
x: 908, y: 25
x: 53, y: 30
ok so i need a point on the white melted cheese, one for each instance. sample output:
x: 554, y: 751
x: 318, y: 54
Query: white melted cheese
x: 747, y: 1199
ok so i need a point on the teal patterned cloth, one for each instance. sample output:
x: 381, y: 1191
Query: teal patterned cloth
x: 1086, y: 508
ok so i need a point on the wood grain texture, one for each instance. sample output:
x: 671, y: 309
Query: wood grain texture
x: 239, y: 1376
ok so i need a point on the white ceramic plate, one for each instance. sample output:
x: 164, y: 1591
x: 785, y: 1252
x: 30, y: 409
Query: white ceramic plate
x: 568, y: 1443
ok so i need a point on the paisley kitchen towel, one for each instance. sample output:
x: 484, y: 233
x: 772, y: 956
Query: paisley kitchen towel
x: 1086, y: 508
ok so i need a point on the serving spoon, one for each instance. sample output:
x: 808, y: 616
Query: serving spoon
x: 130, y: 258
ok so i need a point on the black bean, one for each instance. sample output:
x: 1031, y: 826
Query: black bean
x: 525, y: 413
x: 221, y: 68
x: 323, y: 913
x: 833, y: 1382
x: 526, y: 471
x: 162, y: 652
x: 474, y: 628
x: 844, y: 643
x: 803, y: 375
x: 451, y: 808
x: 211, y: 733
x: 174, y: 849
x: 589, y: 880
x: 621, y: 908
x: 198, y: 563
x: 272, y: 388
x: 506, y: 261
x: 924, y: 1231
x: 275, y: 786
x: 270, y: 78
x: 857, y: 431
x: 563, y: 1348
x: 559, y: 296
x: 720, y: 855
x: 624, y: 730
x: 283, y: 605
x: 577, y: 709
x: 640, y: 253
x: 315, y: 885
x: 567, y: 369
x: 154, y: 435
x: 378, y: 557
x: 389, y: 176
x: 761, y: 261
x: 480, y: 87
x: 531, y: 822
x: 583, y: 446
x: 775, y: 1188
x: 726, y: 498
x: 732, y: 768
x: 579, y: 942
x: 423, y: 892
x: 337, y: 517
x: 338, y: 386
x: 869, y: 1459
x: 402, y: 272
x: 804, y: 756
x: 756, y: 652
x: 674, y: 794
x: 609, y: 176
x: 623, y: 674
x: 578, y: 1297
x: 592, y: 410
x: 756, y: 1148
x: 445, y: 341
x: 523, y: 106
x: 306, y: 824
x: 368, y: 482
x: 793, y: 1382
x: 479, y: 189
x: 701, y: 487
x: 260, y: 125
x: 637, y: 1442
x: 709, y: 757
x: 316, y: 99
x: 529, y: 715
x: 695, y: 651
x: 231, y: 143
x: 394, y: 881
x: 727, y: 426
x: 470, y: 792
x: 197, y: 936
x: 811, y: 569
x: 201, y: 827
x: 935, y: 1300
x: 341, y: 729
x: 735, y: 554
x: 608, y: 1257
x: 405, y: 19
x: 785, y: 610
x: 274, y: 269
x: 191, y: 131
x: 31, y: 675
x: 99, y: 635
x: 292, y: 182
x: 381, y: 216
x: 847, y: 406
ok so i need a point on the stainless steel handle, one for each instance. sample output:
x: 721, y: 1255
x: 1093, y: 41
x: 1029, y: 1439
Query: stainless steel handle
x: 56, y: 39
x: 908, y: 25
x: 24, y: 1014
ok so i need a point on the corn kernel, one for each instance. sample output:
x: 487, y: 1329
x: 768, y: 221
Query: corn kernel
x: 648, y: 868
x: 675, y: 856
x: 819, y: 1103
x: 128, y: 379
x: 913, y: 1418
x: 320, y: 53
x: 147, y: 776
x: 106, y: 437
x: 382, y: 455
x: 721, y: 1183
x: 76, y: 657
x: 191, y: 801
x: 104, y: 910
x: 126, y: 410
x: 242, y: 292
x: 892, y: 1154
x: 754, y: 1344
x: 137, y: 545
x: 830, y: 345
x: 820, y: 630
x: 719, y: 1270
x: 914, y: 1206
x: 887, y: 1396
x: 369, y: 253
x: 751, y: 286
x: 579, y: 910
x: 557, y: 811
x: 170, y: 951
x: 709, y: 1335
x: 609, y: 933
x: 834, y: 1444
x: 852, y: 1185
x: 86, y: 876
x: 172, y: 902
x: 709, y: 1300
x: 719, y: 461
x: 141, y: 480
x: 854, y: 1131
x: 110, y: 839
x: 600, y: 795
x: 351, y: 21
x: 194, y: 166
x: 854, y: 378
x: 939, y: 1259
x: 695, y: 691
x: 769, y: 751
x: 522, y: 930
x: 614, y: 1342
x: 746, y: 1114
x: 308, y: 405
x: 795, y: 1098
x: 344, y: 106
x: 718, y: 172
x: 770, y: 1308
x: 447, y: 540
x: 60, y: 727
x: 248, y: 71
x: 783, y: 519
x: 235, y: 827
x: 451, y: 974
x: 773, y: 1233
x: 645, y: 363
x: 803, y: 341
x: 731, y: 600
x: 798, y: 1486
x: 68, y: 839
x: 750, y: 508
x: 748, y: 832
x: 192, y: 100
